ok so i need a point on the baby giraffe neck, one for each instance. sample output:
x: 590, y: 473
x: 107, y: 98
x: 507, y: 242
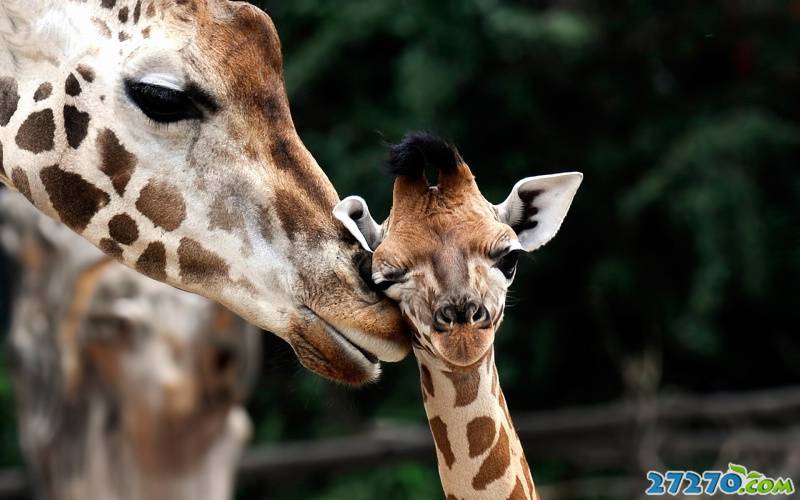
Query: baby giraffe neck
x: 478, y: 451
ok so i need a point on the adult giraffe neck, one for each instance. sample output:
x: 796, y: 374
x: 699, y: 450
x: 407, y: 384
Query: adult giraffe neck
x: 479, y: 454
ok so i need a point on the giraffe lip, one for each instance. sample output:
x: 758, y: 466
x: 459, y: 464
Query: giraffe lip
x: 336, y: 333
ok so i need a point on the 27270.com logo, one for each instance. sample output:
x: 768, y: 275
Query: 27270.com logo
x: 737, y: 480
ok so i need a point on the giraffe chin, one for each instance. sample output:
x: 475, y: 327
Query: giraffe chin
x: 464, y: 345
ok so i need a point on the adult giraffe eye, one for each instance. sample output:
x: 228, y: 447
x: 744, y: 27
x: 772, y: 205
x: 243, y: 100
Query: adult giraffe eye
x: 162, y: 104
x: 507, y: 264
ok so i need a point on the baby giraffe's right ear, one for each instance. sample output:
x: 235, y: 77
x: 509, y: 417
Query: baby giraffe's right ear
x: 354, y: 214
x: 537, y: 206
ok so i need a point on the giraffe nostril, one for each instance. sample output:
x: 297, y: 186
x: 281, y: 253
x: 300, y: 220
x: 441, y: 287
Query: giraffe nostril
x: 444, y: 318
x: 480, y: 316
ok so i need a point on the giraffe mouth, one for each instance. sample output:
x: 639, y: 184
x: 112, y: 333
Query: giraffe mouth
x: 349, y: 343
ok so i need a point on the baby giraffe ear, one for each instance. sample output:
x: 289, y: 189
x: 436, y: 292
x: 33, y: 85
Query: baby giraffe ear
x: 537, y: 206
x: 354, y: 214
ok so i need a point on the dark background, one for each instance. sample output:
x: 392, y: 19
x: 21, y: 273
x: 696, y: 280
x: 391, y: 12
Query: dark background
x: 677, y: 268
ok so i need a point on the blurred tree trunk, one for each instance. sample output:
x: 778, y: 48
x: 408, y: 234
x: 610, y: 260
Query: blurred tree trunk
x: 126, y: 388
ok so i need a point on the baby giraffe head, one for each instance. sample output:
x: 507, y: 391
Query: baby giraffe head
x: 446, y: 254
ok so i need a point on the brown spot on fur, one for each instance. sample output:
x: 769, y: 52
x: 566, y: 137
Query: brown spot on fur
x: 111, y: 247
x: 439, y: 431
x: 37, y: 132
x: 137, y: 11
x: 162, y: 204
x: 74, y: 199
x: 297, y: 217
x: 451, y: 497
x: 427, y: 380
x: 116, y: 161
x: 108, y: 4
x: 146, y: 32
x: 9, y: 99
x: 102, y: 27
x: 199, y: 265
x: 480, y: 435
x: 518, y: 493
x: 123, y: 228
x: 527, y: 470
x: 153, y: 261
x: 86, y: 72
x: 466, y: 385
x: 20, y: 180
x: 43, y: 91
x: 123, y: 15
x: 290, y: 158
x: 265, y: 226
x: 495, y: 464
x: 221, y: 216
x: 151, y: 10
x: 123, y: 36
x: 76, y: 125
x: 72, y: 86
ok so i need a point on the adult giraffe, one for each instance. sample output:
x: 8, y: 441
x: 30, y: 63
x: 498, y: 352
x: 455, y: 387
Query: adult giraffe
x: 160, y: 131
x: 448, y: 257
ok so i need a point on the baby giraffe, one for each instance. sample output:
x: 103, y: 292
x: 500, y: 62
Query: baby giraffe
x: 448, y: 256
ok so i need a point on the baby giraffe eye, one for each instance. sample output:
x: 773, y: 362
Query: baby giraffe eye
x: 386, y: 279
x: 160, y: 103
x: 507, y: 264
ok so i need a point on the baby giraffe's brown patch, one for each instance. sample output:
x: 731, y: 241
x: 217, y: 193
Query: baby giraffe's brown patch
x: 427, y: 382
x: 466, y: 385
x: 480, y: 435
x: 439, y: 431
x: 495, y: 464
x: 518, y: 493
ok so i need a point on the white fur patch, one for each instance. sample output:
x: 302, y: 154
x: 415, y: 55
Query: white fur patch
x: 49, y: 30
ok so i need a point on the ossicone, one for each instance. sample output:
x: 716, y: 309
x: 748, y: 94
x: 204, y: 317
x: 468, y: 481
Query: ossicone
x: 420, y: 150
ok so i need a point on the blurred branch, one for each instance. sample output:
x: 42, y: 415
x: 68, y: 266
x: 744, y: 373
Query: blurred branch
x: 603, y: 435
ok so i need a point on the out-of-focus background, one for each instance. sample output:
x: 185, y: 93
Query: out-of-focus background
x: 660, y: 327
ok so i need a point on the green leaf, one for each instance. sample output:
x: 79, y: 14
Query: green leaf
x: 754, y: 474
x: 739, y: 469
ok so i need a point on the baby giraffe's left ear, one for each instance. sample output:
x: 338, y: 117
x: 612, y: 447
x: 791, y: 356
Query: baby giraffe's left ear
x: 537, y: 206
x: 354, y: 214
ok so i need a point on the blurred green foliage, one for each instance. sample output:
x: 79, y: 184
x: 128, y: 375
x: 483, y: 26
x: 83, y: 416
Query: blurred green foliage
x: 683, y: 244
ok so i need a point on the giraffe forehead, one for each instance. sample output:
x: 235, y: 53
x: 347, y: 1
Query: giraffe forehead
x: 241, y: 44
x: 444, y: 239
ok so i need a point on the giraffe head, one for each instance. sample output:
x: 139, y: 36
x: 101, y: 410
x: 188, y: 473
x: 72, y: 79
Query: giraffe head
x: 446, y: 254
x: 160, y: 131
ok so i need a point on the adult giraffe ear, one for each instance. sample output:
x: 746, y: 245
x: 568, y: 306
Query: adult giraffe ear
x: 354, y: 214
x: 537, y: 206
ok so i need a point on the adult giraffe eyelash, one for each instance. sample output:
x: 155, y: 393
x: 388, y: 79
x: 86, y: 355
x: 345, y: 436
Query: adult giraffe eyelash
x: 160, y: 104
